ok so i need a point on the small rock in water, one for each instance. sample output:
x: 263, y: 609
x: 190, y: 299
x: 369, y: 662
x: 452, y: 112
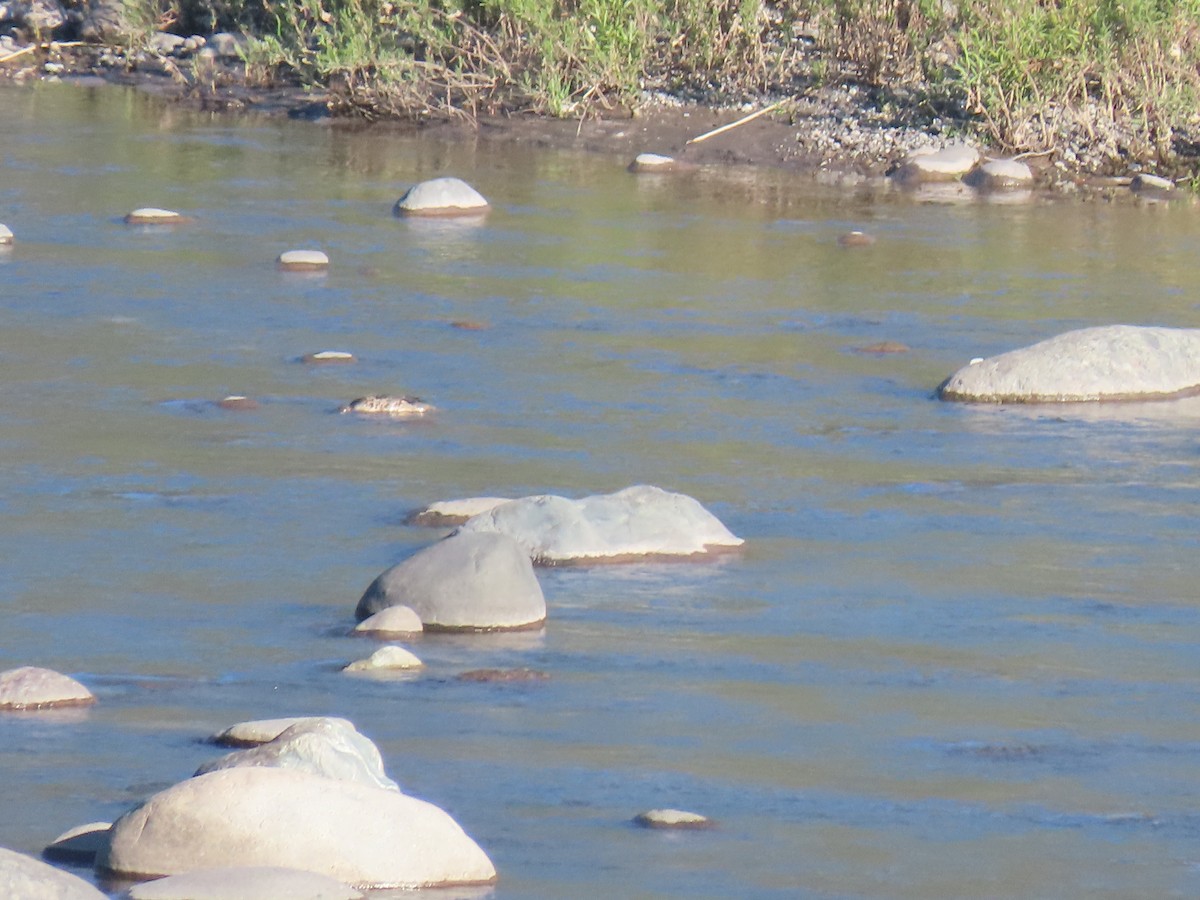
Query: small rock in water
x: 262, y: 731
x: 25, y: 878
x: 856, y: 239
x: 468, y: 325
x: 245, y: 883
x: 149, y: 215
x: 393, y: 620
x: 6, y: 235
x: 454, y: 512
x: 653, y: 162
x: 385, y: 659
x: 672, y: 818
x: 1000, y: 175
x: 506, y: 676
x: 79, y: 844
x: 379, y: 405
x: 237, y: 402
x: 1151, y: 187
x: 327, y: 356
x: 441, y: 197
x: 884, y: 347
x: 930, y: 164
x: 31, y: 687
x: 303, y: 261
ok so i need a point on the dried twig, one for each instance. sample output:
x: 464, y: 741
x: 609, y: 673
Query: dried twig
x: 741, y: 121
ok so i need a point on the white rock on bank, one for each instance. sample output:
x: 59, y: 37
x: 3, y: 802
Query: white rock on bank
x: 1151, y: 186
x: 441, y: 197
x: 31, y: 687
x: 6, y: 235
x: 245, y: 883
x: 385, y: 659
x: 455, y: 512
x: 360, y: 835
x: 1000, y: 175
x: 25, y: 878
x: 930, y: 164
x: 79, y: 844
x: 331, y: 748
x: 151, y: 215
x: 637, y: 522
x: 468, y: 582
x: 672, y: 818
x: 1113, y: 362
x: 653, y: 162
x: 393, y: 620
x: 303, y: 261
x: 260, y: 731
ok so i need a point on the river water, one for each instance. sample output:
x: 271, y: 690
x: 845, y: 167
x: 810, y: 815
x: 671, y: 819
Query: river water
x: 958, y: 657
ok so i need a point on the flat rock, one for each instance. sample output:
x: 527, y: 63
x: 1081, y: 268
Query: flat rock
x: 634, y: 523
x: 441, y: 197
x: 396, y: 407
x: 672, y: 818
x: 327, y: 356
x: 455, y: 512
x: 252, y: 816
x: 467, y: 582
x: 25, y: 878
x: 883, y: 347
x: 237, y: 402
x: 150, y: 215
x: 245, y: 883
x: 393, y: 620
x: 259, y: 731
x: 856, y: 239
x: 6, y: 235
x: 1113, y: 362
x: 385, y: 659
x: 930, y: 164
x: 654, y: 162
x: 1000, y: 175
x: 330, y: 748
x: 303, y: 261
x: 79, y: 844
x: 1151, y: 186
x: 31, y: 687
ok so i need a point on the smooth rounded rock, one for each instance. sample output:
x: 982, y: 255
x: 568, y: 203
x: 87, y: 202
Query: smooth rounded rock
x: 322, y: 357
x: 385, y: 659
x: 79, y: 844
x: 441, y: 197
x: 31, y: 687
x: 396, y: 407
x: 303, y: 261
x: 856, y: 239
x: 330, y: 748
x: 1113, y: 362
x: 25, y: 878
x: 455, y: 512
x: 672, y: 818
x: 150, y: 215
x: 653, y: 162
x: 393, y: 620
x: 260, y: 731
x: 635, y: 523
x: 6, y: 235
x: 245, y: 883
x: 360, y: 835
x: 237, y: 402
x: 930, y: 164
x: 1000, y: 175
x: 468, y: 582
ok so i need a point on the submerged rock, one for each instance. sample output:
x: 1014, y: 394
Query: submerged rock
x: 252, y: 816
x: 883, y: 347
x: 25, y: 878
x: 379, y: 405
x: 237, y: 402
x: 327, y: 356
x: 331, y: 748
x: 503, y: 676
x: 637, y: 522
x: 385, y: 659
x: 393, y: 620
x: 467, y: 582
x: 31, y: 687
x: 455, y: 512
x: 930, y: 164
x: 79, y: 844
x: 303, y: 261
x: 856, y: 239
x: 259, y: 731
x: 245, y: 883
x: 1113, y: 362
x: 672, y: 818
x: 654, y: 162
x: 150, y: 215
x: 441, y: 197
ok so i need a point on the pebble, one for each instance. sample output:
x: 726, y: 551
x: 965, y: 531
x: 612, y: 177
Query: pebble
x: 327, y: 356
x: 672, y: 818
x: 386, y: 658
x: 150, y: 215
x: 303, y: 261
x: 378, y: 405
x: 237, y: 402
x: 31, y: 687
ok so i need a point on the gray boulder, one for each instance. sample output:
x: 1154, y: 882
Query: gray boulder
x: 31, y: 687
x: 331, y: 748
x: 468, y: 582
x: 441, y: 197
x: 245, y: 883
x: 1000, y: 175
x: 25, y: 878
x: 931, y: 164
x: 79, y: 844
x: 1113, y: 362
x: 252, y: 816
x: 393, y: 620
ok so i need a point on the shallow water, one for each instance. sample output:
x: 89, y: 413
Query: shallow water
x: 956, y: 659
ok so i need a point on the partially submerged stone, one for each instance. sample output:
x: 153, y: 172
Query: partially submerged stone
x: 1151, y: 187
x: 385, y: 659
x: 330, y: 748
x: 259, y: 731
x: 327, y: 356
x: 79, y: 844
x: 245, y: 883
x: 395, y: 620
x: 1113, y: 362
x: 6, y: 235
x: 468, y: 582
x: 503, y: 676
x: 856, y: 239
x: 930, y: 164
x: 1000, y: 175
x: 151, y: 215
x: 32, y: 687
x: 883, y: 347
x: 379, y: 405
x: 672, y: 818
x: 303, y: 261
x: 469, y: 325
x: 237, y: 402
x: 355, y: 833
x: 455, y: 512
x: 635, y: 523
x: 654, y: 162
x: 441, y: 197
x: 25, y: 878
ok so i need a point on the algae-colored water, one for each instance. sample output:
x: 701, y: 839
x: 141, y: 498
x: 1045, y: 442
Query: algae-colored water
x: 958, y: 657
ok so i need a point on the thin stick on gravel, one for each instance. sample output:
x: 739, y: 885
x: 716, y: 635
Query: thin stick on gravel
x: 732, y: 125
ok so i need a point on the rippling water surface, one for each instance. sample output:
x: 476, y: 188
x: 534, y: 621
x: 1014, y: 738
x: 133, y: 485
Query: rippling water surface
x: 958, y: 657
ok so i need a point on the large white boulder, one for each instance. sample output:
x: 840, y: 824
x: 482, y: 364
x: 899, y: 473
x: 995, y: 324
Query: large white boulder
x: 259, y: 731
x: 332, y: 748
x: 637, y: 522
x: 245, y: 883
x: 32, y: 687
x: 360, y: 835
x: 25, y: 878
x: 1112, y: 362
x: 467, y: 582
x: 441, y: 197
